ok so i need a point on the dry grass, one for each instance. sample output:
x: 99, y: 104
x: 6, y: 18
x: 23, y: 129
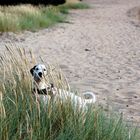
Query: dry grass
x: 21, y: 9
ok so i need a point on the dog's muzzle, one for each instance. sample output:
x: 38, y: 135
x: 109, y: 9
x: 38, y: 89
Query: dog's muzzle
x: 40, y: 74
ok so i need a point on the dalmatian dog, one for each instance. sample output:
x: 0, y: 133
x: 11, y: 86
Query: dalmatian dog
x: 46, y: 92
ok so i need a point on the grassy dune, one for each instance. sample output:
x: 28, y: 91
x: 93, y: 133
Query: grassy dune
x: 22, y: 118
x: 28, y: 17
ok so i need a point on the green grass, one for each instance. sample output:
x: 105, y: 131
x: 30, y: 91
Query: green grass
x: 65, y: 8
x: 28, y: 17
x: 22, y: 118
x: 75, y: 6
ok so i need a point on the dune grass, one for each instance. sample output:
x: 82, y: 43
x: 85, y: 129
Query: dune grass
x: 79, y: 5
x: 28, y: 17
x: 22, y: 118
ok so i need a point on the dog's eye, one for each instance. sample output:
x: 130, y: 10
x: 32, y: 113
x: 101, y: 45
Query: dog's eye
x: 37, y: 69
x: 44, y: 69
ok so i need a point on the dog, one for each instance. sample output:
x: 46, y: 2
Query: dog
x: 46, y: 92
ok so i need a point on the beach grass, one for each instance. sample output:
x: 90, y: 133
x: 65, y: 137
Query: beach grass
x: 29, y: 17
x: 23, y: 118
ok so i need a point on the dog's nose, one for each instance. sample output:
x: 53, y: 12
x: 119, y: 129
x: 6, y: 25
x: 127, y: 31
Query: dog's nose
x: 40, y: 74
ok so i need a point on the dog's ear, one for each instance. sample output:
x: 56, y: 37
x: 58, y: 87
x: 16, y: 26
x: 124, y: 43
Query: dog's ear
x: 32, y: 70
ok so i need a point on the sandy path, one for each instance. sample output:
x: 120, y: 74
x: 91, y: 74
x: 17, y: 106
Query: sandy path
x: 99, y: 51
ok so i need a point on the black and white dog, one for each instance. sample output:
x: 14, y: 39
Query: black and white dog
x: 46, y: 92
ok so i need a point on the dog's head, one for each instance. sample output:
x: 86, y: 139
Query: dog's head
x: 38, y: 72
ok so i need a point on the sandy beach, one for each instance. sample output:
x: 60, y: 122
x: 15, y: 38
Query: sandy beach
x: 98, y: 50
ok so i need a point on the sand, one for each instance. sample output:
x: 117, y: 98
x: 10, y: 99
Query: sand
x: 98, y: 50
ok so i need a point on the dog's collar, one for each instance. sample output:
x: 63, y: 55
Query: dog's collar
x: 45, y: 91
x: 42, y: 91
